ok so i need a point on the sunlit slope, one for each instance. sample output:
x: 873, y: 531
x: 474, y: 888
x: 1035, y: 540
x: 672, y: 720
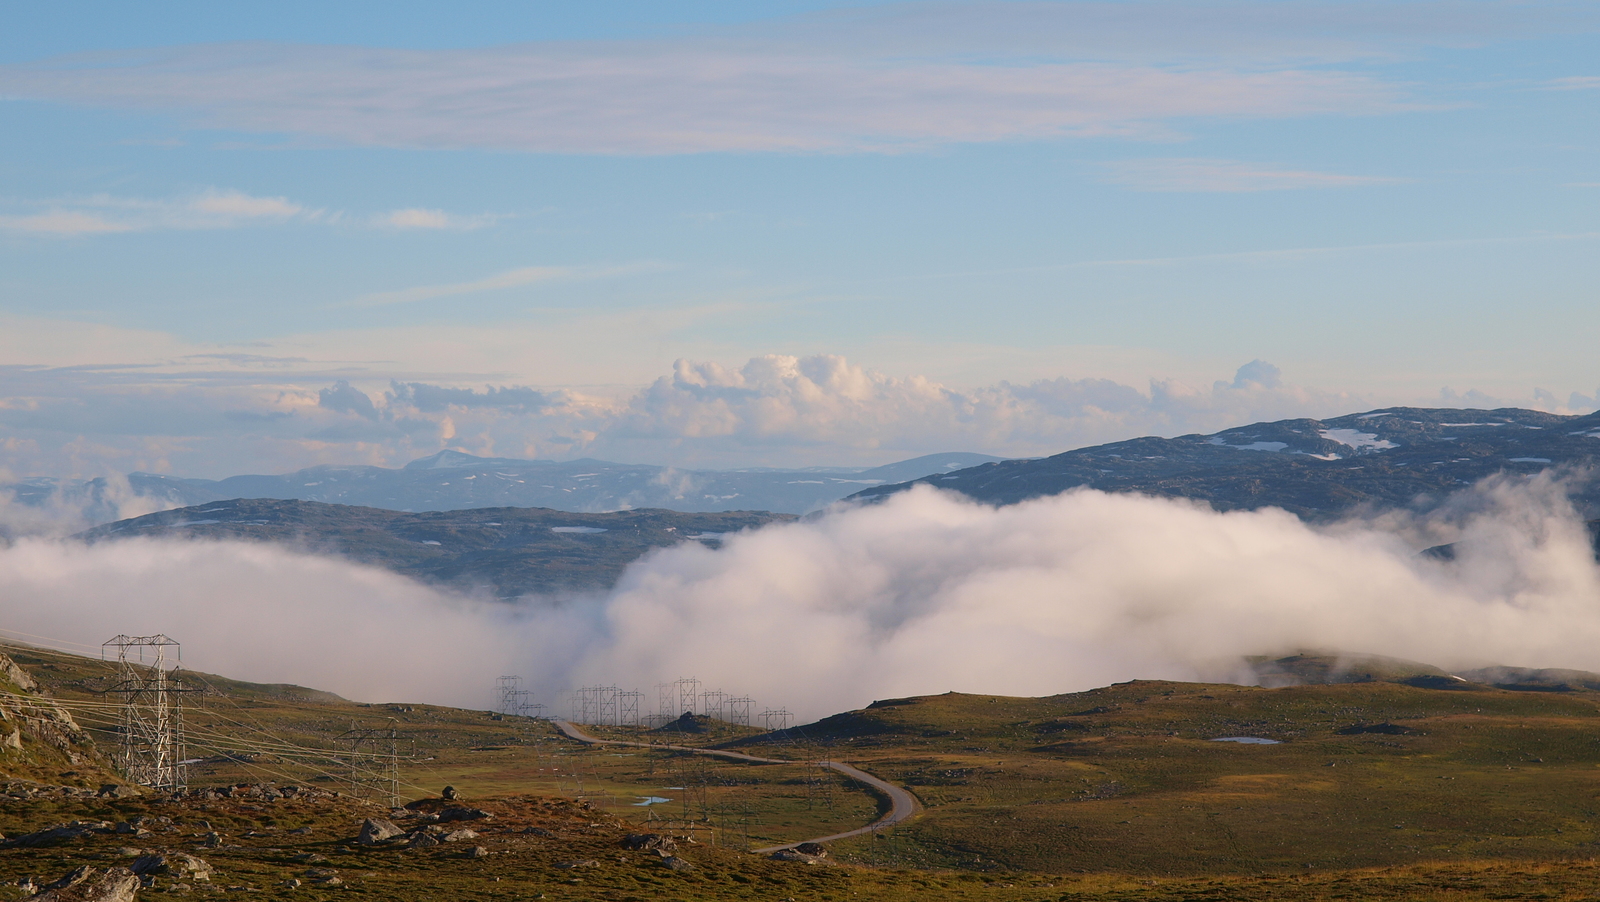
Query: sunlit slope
x: 241, y: 732
x: 1129, y: 778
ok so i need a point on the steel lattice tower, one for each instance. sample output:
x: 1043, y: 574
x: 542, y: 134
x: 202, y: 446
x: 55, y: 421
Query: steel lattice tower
x: 152, y: 717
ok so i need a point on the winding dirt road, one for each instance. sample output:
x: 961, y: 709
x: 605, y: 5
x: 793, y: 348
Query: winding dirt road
x: 902, y: 804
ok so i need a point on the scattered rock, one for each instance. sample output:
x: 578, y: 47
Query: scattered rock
x: 814, y: 849
x: 376, y: 830
x: 172, y: 864
x: 213, y: 840
x: 795, y: 855
x: 59, y: 834
x: 582, y: 863
x: 461, y: 813
x: 88, y: 884
x: 291, y: 883
x: 450, y: 794
x: 311, y: 858
x: 649, y: 842
x: 476, y: 852
x: 117, y: 791
x: 537, y: 831
x: 319, y: 875
x: 674, y: 863
x: 459, y: 835
x: 422, y: 840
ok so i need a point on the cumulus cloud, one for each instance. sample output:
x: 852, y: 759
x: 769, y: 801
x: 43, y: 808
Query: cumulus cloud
x: 436, y: 398
x: 221, y: 415
x: 1185, y: 174
x: 922, y: 594
x: 826, y: 402
x: 342, y: 396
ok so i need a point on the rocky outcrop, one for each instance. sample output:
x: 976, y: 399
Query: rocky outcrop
x: 179, y: 865
x: 88, y: 884
x: 649, y: 842
x: 61, y: 833
x: 16, y: 676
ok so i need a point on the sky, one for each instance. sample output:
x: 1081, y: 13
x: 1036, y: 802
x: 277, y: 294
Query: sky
x: 251, y: 239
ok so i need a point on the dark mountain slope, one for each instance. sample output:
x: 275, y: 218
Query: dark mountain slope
x: 506, y: 551
x: 1318, y: 469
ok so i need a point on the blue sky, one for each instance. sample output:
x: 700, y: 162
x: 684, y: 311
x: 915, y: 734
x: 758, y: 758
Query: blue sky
x: 720, y: 234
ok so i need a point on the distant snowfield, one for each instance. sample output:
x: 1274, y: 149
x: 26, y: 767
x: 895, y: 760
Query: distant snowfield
x: 1357, y: 439
x: 1252, y: 446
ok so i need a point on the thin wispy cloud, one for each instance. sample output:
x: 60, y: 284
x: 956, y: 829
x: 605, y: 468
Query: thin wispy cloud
x: 63, y: 223
x: 420, y: 218
x: 213, y: 209
x: 684, y: 96
x: 1186, y: 174
x: 1576, y: 83
x: 885, y: 78
x: 104, y: 213
x: 516, y: 278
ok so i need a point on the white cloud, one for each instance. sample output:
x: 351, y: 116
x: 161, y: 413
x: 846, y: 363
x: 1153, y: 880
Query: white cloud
x: 1576, y: 83
x: 210, y: 209
x: 87, y: 400
x: 686, y: 96
x: 1206, y: 175
x: 62, y: 222
x: 102, y: 213
x: 238, y: 205
x: 419, y: 218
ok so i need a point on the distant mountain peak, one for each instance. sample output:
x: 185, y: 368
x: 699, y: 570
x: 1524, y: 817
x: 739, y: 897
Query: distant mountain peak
x: 455, y: 460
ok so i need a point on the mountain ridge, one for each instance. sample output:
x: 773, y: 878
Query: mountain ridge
x: 506, y: 552
x: 454, y: 480
x: 1317, y: 469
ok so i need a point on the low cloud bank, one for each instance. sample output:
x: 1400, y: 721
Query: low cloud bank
x: 773, y: 410
x: 922, y: 594
x: 224, y: 417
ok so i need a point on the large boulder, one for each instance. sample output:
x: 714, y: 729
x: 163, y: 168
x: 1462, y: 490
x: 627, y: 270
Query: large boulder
x: 376, y: 830
x: 172, y: 864
x: 88, y: 884
x: 422, y: 840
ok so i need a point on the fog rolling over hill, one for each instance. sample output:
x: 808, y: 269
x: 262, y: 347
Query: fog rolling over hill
x: 451, y: 480
x: 1317, y: 469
